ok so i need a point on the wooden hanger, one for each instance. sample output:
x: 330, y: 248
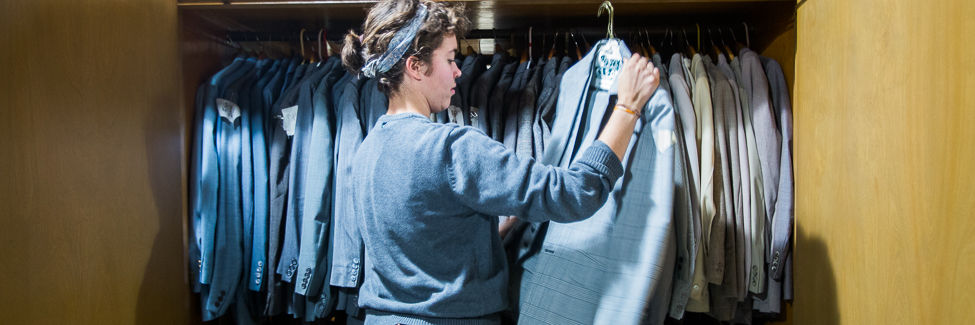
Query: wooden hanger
x: 728, y: 52
x: 551, y: 53
x: 322, y: 55
x: 689, y: 49
x: 715, y: 51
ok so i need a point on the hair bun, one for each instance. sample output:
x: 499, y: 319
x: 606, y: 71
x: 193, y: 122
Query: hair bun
x: 352, y: 53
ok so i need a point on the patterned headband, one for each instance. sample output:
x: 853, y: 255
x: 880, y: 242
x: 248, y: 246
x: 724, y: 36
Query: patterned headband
x: 397, y: 46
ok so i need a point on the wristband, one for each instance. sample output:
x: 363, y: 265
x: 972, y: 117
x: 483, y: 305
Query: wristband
x: 623, y: 108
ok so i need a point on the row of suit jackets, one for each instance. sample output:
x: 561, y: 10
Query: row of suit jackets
x: 274, y: 142
x: 271, y: 186
x: 735, y: 121
x: 262, y: 187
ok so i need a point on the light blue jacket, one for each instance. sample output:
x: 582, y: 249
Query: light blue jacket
x: 612, y: 267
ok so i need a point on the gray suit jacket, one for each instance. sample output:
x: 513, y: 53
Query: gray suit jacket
x: 512, y: 105
x: 526, y: 113
x: 579, y: 272
x: 686, y: 284
x: 736, y: 149
x: 782, y: 217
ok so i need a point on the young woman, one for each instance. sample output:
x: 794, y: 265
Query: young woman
x: 427, y: 195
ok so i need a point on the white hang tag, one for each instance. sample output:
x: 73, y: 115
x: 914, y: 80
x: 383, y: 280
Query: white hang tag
x: 228, y: 110
x: 609, y: 60
x: 289, y: 117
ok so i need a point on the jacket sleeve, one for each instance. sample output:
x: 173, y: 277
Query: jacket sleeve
x: 493, y: 180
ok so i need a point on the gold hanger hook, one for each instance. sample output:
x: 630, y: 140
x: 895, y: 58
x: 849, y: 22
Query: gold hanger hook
x: 608, y: 7
x: 301, y: 39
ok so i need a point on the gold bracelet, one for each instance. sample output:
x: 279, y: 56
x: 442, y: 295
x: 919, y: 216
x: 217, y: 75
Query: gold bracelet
x: 623, y: 108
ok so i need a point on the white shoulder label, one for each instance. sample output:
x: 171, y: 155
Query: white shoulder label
x: 290, y: 117
x: 228, y: 110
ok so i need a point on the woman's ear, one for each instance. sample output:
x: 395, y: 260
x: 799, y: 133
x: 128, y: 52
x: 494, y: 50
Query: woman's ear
x: 414, y: 69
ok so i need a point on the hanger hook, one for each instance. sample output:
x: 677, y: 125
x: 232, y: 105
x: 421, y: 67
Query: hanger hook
x: 555, y: 39
x: 747, y: 41
x: 232, y: 43
x: 721, y: 36
x: 685, y: 36
x: 608, y: 7
x: 711, y: 36
x: 301, y: 38
x: 664, y: 38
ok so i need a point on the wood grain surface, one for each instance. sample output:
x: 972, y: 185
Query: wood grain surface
x: 885, y: 189
x: 91, y: 176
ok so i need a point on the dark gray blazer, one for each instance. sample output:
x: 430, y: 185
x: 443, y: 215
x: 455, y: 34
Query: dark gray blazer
x: 481, y: 92
x: 496, y: 103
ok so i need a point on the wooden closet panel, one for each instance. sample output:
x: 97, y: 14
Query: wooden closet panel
x: 884, y: 148
x: 91, y: 177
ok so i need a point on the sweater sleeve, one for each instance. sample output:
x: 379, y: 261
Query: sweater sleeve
x: 493, y: 180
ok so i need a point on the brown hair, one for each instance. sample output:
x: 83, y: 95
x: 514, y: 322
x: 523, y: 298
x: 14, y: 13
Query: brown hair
x: 389, y: 16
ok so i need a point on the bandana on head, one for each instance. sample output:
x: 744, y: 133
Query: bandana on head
x: 397, y: 46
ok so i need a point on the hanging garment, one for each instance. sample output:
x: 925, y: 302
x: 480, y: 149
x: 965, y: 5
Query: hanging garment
x: 472, y: 71
x: 496, y: 104
x: 781, y: 225
x: 754, y: 256
x: 310, y: 301
x: 481, y: 91
x: 736, y: 149
x: 526, y: 113
x: 724, y: 295
x: 228, y: 247
x: 605, y: 268
x: 511, y: 105
x: 747, y: 156
x: 767, y: 145
x: 688, y: 220
x: 347, y: 242
x: 260, y: 176
x: 701, y: 96
x: 545, y: 113
x: 205, y: 211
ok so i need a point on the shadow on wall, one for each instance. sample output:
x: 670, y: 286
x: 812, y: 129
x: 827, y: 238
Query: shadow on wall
x: 164, y: 296
x: 815, y: 281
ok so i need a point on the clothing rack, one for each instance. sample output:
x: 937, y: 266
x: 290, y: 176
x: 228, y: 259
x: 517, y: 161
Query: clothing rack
x: 694, y: 34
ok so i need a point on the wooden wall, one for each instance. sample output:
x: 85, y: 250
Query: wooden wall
x: 91, y: 176
x: 885, y: 144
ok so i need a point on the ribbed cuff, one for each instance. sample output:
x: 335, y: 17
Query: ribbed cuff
x: 600, y: 157
x: 378, y: 317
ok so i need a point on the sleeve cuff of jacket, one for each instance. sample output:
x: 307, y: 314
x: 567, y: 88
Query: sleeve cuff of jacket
x: 600, y: 157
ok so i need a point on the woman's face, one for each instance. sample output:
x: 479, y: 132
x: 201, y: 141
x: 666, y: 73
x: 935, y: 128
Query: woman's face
x: 439, y: 85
